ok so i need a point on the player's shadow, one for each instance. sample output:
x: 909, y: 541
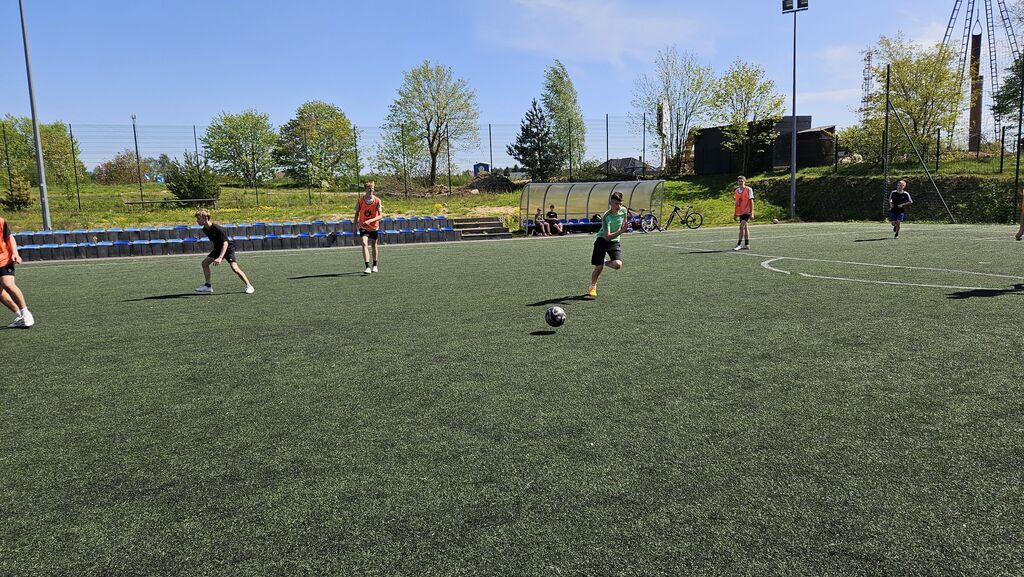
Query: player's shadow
x: 171, y: 296
x: 871, y: 239
x: 332, y: 275
x: 560, y: 301
x: 542, y: 333
x: 705, y: 251
x: 986, y: 293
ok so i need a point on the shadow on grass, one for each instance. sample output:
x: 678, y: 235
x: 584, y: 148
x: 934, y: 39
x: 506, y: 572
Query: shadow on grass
x: 173, y: 296
x: 560, y: 300
x: 705, y: 251
x: 871, y: 239
x: 332, y: 275
x: 986, y: 293
x: 542, y: 333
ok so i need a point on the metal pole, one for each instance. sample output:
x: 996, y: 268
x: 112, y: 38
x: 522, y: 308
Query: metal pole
x: 138, y: 162
x: 405, y: 162
x: 309, y: 173
x: 255, y: 171
x: 44, y: 200
x: 199, y: 167
x: 74, y: 166
x: 7, y: 159
x: 938, y: 148
x: 643, y: 150
x: 835, y: 153
x: 355, y: 145
x: 490, y: 147
x: 792, y: 162
x: 607, y: 156
x: 448, y: 145
x: 1002, y: 149
x: 1020, y: 121
x: 885, y: 141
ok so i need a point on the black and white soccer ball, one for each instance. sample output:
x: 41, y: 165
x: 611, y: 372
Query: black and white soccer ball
x: 555, y: 316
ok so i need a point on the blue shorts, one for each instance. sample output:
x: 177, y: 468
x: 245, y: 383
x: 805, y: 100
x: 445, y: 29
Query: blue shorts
x: 894, y: 216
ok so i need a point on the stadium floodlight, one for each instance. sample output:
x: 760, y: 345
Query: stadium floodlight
x: 44, y: 201
x: 789, y: 7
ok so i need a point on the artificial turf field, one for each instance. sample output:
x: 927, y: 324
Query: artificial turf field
x: 706, y: 415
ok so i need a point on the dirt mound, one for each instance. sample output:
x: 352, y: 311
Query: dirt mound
x: 486, y: 182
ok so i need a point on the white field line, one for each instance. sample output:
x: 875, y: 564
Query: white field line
x: 894, y: 283
x: 890, y: 266
x: 767, y: 264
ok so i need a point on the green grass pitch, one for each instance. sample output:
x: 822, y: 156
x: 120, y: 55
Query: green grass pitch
x: 794, y: 410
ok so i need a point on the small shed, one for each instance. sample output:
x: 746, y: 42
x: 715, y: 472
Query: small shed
x: 480, y: 167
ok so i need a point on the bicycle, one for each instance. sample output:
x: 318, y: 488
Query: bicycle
x: 645, y: 222
x: 691, y: 218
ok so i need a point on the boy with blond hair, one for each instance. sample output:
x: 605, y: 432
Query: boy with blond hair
x: 223, y: 249
x: 369, y: 213
x: 10, y: 294
x: 743, y: 198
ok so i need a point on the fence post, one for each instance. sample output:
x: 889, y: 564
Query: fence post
x: 1020, y: 121
x: 490, y: 147
x: 138, y: 164
x: 309, y: 171
x: 1002, y: 149
x: 7, y: 159
x: 643, y: 150
x: 74, y: 166
x: 405, y: 161
x: 355, y: 146
x: 885, y: 142
x: 255, y: 171
x: 938, y: 147
x: 835, y: 153
x: 607, y: 156
x: 448, y: 145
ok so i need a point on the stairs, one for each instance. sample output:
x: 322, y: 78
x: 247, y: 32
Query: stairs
x: 481, y: 228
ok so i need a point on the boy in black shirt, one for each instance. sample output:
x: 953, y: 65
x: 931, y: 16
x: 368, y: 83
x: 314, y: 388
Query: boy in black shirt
x: 553, y: 222
x: 899, y: 200
x: 223, y: 249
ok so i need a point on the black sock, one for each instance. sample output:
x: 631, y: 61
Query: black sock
x: 367, y: 263
x: 374, y: 263
x: 747, y: 242
x: 207, y: 284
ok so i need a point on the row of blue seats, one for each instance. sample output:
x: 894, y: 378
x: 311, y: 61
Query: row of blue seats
x: 104, y: 249
x: 568, y: 225
x: 182, y: 232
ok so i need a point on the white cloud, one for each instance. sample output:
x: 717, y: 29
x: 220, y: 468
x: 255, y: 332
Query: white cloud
x: 608, y: 31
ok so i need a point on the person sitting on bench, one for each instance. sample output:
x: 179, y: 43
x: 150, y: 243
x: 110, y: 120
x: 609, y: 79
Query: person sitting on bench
x: 542, y: 226
x: 552, y: 218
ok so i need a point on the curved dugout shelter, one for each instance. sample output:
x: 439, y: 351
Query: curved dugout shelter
x: 581, y: 200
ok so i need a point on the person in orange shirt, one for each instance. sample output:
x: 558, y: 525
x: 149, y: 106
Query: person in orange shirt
x: 368, y: 216
x: 743, y: 197
x: 10, y: 294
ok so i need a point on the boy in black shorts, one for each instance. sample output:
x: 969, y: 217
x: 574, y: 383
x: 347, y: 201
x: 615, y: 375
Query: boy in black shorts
x: 10, y: 295
x: 223, y: 249
x: 899, y: 200
x: 614, y: 223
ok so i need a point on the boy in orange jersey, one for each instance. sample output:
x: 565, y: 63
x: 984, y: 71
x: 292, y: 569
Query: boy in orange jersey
x: 10, y: 294
x: 368, y: 217
x: 743, y: 197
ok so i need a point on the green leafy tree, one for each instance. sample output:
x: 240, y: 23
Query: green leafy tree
x: 749, y: 107
x: 159, y: 165
x: 400, y: 151
x: 59, y: 162
x: 536, y: 146
x: 317, y: 145
x: 1006, y: 102
x: 19, y: 194
x: 122, y: 169
x: 240, y: 146
x: 192, y: 179
x: 438, y: 108
x: 563, y: 108
x: 677, y: 99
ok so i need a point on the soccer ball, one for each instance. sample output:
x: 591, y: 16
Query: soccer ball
x: 555, y: 316
x: 775, y: 221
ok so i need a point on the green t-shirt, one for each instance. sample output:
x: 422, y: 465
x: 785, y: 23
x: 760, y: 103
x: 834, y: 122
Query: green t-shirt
x: 612, y: 222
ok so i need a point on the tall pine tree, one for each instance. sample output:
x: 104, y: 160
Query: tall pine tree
x: 536, y: 147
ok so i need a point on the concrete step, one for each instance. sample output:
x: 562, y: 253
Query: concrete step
x: 468, y: 222
x: 482, y: 229
x: 486, y: 235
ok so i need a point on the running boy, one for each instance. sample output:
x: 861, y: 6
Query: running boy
x: 368, y: 217
x: 743, y: 197
x: 899, y: 199
x: 614, y: 222
x: 223, y: 249
x: 10, y: 294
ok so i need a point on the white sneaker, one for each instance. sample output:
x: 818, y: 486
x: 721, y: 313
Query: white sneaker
x: 738, y: 247
x: 368, y: 270
x: 27, y: 320
x: 17, y: 322
x: 205, y: 289
x: 249, y: 289
x: 374, y: 268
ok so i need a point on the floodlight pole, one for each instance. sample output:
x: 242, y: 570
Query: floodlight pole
x: 44, y: 201
x: 792, y: 159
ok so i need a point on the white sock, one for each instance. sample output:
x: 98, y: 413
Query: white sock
x: 23, y: 311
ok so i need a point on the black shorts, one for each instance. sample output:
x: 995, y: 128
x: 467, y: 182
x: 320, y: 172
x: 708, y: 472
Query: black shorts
x: 603, y: 246
x: 744, y: 217
x: 228, y: 256
x: 7, y: 269
x: 373, y: 234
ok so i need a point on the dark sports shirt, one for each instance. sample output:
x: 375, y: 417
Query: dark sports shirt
x: 216, y: 235
x: 897, y: 198
x: 552, y: 215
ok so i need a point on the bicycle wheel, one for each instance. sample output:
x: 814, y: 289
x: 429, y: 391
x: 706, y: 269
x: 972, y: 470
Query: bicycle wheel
x: 647, y: 223
x: 694, y: 220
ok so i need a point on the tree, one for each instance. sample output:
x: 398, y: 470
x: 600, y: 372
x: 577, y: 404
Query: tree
x: 317, y: 145
x: 1006, y: 102
x: 192, y: 179
x: 439, y: 109
x: 750, y: 108
x: 563, y: 108
x: 58, y: 160
x: 240, y: 145
x: 122, y: 169
x: 536, y: 145
x: 680, y: 92
x: 159, y: 165
x: 402, y: 151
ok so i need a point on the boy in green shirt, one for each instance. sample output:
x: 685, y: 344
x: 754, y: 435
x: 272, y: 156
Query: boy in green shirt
x: 614, y: 223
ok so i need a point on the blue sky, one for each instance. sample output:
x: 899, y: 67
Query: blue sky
x: 182, y: 62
